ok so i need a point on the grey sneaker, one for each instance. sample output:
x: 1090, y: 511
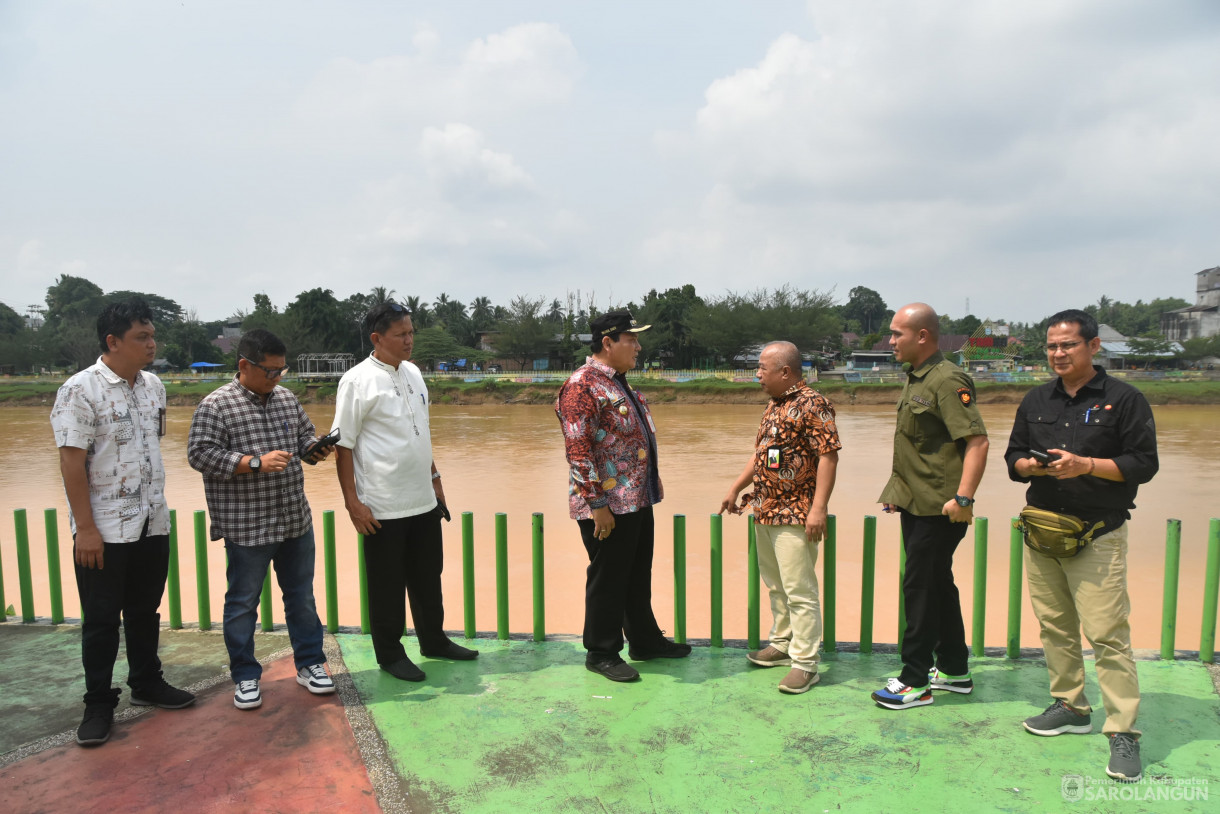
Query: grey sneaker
x: 315, y: 679
x: 1124, y: 758
x: 768, y: 657
x: 798, y: 681
x: 1059, y: 719
x: 247, y: 696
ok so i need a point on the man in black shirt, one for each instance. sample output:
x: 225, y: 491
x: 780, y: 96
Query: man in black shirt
x: 1101, y: 441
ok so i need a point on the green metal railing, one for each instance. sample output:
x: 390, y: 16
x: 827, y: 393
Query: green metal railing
x: 829, y: 586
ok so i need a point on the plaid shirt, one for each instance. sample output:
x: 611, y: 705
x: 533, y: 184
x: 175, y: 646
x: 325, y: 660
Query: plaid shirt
x: 251, y: 509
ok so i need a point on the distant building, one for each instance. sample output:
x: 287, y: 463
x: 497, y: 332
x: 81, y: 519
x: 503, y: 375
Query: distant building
x: 1116, y: 351
x: 1201, y: 319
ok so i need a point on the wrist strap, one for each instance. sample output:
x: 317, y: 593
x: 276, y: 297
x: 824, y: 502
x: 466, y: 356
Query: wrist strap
x: 1092, y: 466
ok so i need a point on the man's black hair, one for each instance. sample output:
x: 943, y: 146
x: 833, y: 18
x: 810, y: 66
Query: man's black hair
x: 117, y: 318
x: 1088, y: 325
x: 258, y: 344
x: 379, y: 320
x: 595, y: 344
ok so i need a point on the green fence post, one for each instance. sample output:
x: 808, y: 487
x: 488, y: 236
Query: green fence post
x: 54, y: 578
x: 752, y: 611
x: 902, y: 599
x: 867, y: 570
x: 979, y: 614
x: 264, y: 603
x: 173, y: 576
x: 1169, y: 602
x: 468, y: 574
x: 502, y: 576
x: 717, y: 581
x: 679, y: 578
x: 330, y: 567
x: 1207, y: 646
x: 364, y: 585
x: 201, y: 570
x: 1015, y: 567
x: 829, y: 588
x: 539, y: 581
x: 25, y: 582
x: 3, y: 603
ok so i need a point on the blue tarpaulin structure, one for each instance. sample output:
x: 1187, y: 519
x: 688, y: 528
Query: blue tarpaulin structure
x: 205, y: 365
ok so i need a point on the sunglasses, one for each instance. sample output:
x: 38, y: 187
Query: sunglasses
x: 270, y: 372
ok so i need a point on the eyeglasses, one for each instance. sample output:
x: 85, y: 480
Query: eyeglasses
x: 270, y: 372
x: 1062, y: 346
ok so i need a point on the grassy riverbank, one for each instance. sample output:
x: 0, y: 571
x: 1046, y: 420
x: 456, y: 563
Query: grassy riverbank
x: 705, y: 391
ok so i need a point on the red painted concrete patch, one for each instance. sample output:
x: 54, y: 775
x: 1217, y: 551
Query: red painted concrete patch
x: 295, y: 753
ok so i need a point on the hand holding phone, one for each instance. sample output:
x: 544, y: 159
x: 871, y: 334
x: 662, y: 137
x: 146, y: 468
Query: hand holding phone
x: 1043, y: 458
x: 323, y: 443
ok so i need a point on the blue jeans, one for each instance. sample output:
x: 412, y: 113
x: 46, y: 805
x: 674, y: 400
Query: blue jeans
x: 294, y: 563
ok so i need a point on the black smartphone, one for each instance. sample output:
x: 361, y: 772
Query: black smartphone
x: 325, y: 441
x: 443, y: 510
x: 1043, y: 458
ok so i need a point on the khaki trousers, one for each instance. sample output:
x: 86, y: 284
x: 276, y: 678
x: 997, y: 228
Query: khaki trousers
x: 786, y: 563
x: 1088, y: 591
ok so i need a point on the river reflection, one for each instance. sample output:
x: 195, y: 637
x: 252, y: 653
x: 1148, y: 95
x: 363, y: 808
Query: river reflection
x: 509, y: 458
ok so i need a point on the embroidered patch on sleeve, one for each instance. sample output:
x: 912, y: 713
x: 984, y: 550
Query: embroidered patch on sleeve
x: 965, y: 395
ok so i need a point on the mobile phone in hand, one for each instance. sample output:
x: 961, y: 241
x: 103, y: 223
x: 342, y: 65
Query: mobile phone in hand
x: 1043, y: 458
x: 324, y: 442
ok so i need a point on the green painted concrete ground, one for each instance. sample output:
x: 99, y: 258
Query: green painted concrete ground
x: 527, y: 729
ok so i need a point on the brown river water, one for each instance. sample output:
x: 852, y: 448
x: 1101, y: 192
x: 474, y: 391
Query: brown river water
x: 509, y: 458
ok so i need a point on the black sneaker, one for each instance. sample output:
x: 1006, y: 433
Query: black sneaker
x: 451, y: 650
x: 161, y: 695
x: 94, y: 730
x: 1059, y: 719
x: 614, y: 669
x: 1125, y: 763
x: 664, y: 649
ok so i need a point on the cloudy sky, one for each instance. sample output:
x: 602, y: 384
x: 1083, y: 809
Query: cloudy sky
x: 1016, y: 156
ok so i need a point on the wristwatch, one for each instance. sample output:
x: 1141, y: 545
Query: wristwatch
x: 256, y: 463
x: 964, y: 501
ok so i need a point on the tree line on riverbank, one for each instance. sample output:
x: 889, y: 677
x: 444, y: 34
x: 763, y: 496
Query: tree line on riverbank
x: 689, y: 329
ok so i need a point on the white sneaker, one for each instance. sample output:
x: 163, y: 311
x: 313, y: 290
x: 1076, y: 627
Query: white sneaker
x: 247, y: 696
x: 315, y: 679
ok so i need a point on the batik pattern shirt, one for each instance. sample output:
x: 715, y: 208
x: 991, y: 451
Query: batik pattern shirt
x: 610, y: 442
x: 253, y: 508
x: 119, y: 426
x: 796, y: 429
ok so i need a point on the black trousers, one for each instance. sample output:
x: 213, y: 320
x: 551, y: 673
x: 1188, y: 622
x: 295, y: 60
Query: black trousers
x: 405, y: 555
x: 618, y: 586
x: 935, y: 634
x: 129, y: 585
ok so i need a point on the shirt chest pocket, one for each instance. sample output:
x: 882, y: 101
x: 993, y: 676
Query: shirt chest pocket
x: 1047, y: 431
x: 917, y: 421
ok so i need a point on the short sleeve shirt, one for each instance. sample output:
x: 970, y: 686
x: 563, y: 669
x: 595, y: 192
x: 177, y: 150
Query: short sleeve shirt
x: 937, y: 412
x: 797, y: 428
x: 119, y: 426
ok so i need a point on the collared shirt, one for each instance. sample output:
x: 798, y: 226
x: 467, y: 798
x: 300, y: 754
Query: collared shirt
x: 1106, y: 418
x: 797, y: 427
x: 254, y: 508
x: 119, y: 426
x: 382, y: 415
x: 936, y: 414
x: 610, y: 443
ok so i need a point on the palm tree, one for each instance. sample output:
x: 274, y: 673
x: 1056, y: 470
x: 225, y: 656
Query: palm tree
x: 379, y: 295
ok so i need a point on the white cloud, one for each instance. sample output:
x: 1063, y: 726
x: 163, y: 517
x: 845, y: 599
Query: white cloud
x: 456, y: 157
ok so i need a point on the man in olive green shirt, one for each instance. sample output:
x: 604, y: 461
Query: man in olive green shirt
x: 940, y: 451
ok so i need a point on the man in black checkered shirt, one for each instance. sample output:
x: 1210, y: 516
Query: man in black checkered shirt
x: 247, y: 438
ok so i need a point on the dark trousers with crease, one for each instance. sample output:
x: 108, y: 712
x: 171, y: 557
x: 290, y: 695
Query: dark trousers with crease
x: 618, y: 586
x: 405, y: 555
x: 128, y: 586
x: 935, y: 634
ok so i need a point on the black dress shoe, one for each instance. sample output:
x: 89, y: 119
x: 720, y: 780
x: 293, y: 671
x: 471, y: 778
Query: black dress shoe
x: 405, y: 669
x: 614, y: 669
x: 664, y: 649
x: 451, y: 650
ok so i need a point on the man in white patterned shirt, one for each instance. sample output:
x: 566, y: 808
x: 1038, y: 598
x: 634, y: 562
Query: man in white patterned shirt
x: 248, y: 438
x: 108, y: 419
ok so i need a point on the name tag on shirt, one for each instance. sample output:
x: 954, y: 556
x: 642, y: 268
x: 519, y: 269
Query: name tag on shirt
x: 773, y: 458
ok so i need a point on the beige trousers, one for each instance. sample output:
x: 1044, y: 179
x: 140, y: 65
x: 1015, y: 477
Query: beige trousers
x: 1088, y: 591
x: 786, y: 563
